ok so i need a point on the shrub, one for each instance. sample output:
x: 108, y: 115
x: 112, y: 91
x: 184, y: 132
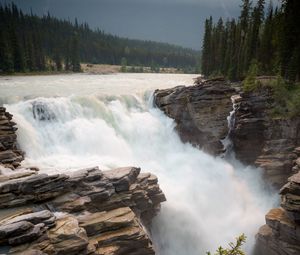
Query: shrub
x: 286, y: 98
x: 234, y: 248
x: 250, y: 83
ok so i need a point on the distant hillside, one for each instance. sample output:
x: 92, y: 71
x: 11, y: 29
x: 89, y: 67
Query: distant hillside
x: 29, y: 43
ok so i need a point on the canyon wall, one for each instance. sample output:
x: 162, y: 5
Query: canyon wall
x: 258, y: 138
x: 201, y: 115
x: 200, y: 112
x: 281, y: 233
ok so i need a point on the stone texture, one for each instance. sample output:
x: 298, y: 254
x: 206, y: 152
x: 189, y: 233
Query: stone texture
x: 98, y: 212
x: 281, y: 234
x: 67, y: 237
x: 10, y: 155
x: 97, y: 223
x: 260, y: 139
x: 24, y: 228
x: 116, y: 232
x: 200, y: 112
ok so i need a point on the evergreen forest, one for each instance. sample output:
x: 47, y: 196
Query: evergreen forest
x: 29, y: 43
x: 264, y: 37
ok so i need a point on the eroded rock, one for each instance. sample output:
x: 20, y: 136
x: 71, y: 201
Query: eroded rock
x: 281, y: 234
x: 200, y: 112
x: 97, y: 212
x: 10, y: 155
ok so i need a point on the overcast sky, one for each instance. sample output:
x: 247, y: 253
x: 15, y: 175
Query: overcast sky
x: 179, y: 22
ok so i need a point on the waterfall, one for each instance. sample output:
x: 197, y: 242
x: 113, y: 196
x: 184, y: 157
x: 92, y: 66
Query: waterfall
x: 209, y: 201
x: 227, y: 143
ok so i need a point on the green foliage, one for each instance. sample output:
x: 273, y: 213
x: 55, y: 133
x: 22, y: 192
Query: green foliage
x: 251, y: 84
x: 124, y: 65
x: 234, y: 248
x: 286, y: 98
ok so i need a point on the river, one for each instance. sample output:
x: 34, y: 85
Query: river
x: 71, y: 121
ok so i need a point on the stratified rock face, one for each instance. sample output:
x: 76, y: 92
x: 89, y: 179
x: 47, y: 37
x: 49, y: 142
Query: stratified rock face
x: 199, y: 111
x: 85, y: 212
x: 10, y: 156
x: 262, y: 140
x: 281, y: 234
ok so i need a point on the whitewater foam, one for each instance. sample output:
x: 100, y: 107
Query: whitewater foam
x: 210, y: 201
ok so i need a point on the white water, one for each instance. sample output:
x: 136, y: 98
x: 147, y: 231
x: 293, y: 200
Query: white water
x: 109, y: 121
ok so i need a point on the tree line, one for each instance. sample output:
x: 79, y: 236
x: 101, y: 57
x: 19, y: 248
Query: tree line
x: 266, y: 37
x: 29, y: 43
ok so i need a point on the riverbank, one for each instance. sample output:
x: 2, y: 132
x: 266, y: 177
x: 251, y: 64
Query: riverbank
x: 101, y: 69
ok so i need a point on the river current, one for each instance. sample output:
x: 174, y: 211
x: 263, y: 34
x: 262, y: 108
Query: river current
x: 67, y: 122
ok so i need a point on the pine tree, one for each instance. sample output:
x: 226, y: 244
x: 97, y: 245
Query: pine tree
x: 18, y: 56
x: 206, y: 48
x: 6, y: 60
x: 75, y: 59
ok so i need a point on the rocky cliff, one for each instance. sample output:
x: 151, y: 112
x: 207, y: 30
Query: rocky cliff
x: 87, y: 211
x: 259, y: 138
x: 281, y: 234
x: 199, y: 111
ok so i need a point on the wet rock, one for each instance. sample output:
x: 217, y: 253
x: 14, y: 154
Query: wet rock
x: 260, y: 139
x: 44, y: 216
x: 34, y: 188
x: 14, y: 229
x: 122, y: 178
x: 281, y: 234
x: 10, y: 156
x: 29, y: 236
x: 290, y: 197
x: 25, y: 228
x: 42, y: 112
x: 200, y: 112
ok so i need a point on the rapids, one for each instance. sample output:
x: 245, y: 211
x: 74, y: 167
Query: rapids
x: 71, y: 121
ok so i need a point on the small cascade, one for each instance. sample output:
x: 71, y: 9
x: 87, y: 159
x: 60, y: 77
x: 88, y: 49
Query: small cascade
x: 227, y: 143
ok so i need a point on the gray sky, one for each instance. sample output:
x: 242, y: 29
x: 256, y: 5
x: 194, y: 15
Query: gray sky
x: 179, y: 22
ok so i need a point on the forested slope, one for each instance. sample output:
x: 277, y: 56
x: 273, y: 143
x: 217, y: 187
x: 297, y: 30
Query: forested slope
x: 33, y: 43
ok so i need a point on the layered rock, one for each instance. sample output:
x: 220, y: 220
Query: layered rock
x: 260, y: 139
x: 85, y: 212
x: 10, y: 156
x: 281, y: 234
x: 199, y: 111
